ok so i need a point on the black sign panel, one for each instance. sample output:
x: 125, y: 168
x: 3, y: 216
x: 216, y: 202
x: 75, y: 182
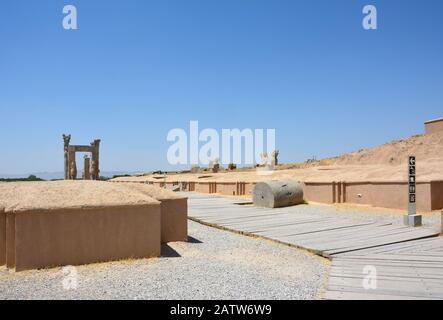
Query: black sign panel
x: 412, y: 180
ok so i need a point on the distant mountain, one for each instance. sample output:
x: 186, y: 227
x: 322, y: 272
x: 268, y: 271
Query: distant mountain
x: 60, y: 175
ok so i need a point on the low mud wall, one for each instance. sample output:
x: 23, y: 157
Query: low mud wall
x: 174, y: 220
x: 323, y: 192
x: 2, y: 237
x: 434, y: 126
x: 49, y: 224
x: 437, y: 195
x: 377, y: 193
x: 393, y: 194
x: 174, y: 208
x: 224, y: 188
x: 234, y: 188
x: 42, y: 239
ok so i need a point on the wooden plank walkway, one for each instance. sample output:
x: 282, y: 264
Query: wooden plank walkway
x: 412, y: 269
x: 408, y: 261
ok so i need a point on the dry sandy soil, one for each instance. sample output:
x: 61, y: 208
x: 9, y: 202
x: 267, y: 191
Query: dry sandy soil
x: 382, y: 163
x: 67, y: 194
x: 73, y: 194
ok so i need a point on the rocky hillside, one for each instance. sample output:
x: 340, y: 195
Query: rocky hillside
x: 424, y: 147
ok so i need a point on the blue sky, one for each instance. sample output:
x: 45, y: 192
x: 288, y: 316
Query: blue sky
x: 136, y: 69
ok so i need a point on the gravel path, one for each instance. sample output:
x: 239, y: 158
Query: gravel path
x: 214, y: 265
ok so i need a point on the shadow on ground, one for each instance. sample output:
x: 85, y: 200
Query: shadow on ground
x: 168, y: 252
x: 193, y: 240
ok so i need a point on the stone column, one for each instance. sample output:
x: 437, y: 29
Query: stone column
x: 275, y: 154
x: 95, y: 161
x: 72, y: 164
x: 66, y: 140
x: 86, y: 168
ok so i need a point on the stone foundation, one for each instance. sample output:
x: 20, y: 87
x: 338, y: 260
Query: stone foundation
x: 2, y: 237
x: 387, y: 194
x: 48, y: 224
x: 433, y: 126
x: 393, y: 194
x: 42, y: 239
x: 174, y: 220
x: 174, y: 210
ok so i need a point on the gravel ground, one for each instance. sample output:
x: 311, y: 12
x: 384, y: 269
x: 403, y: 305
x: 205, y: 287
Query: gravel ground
x: 215, y: 264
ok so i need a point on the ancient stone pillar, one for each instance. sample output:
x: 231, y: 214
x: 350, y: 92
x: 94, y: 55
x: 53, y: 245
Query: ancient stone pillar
x: 66, y: 140
x: 95, y: 163
x: 86, y: 168
x: 72, y: 164
x: 275, y: 154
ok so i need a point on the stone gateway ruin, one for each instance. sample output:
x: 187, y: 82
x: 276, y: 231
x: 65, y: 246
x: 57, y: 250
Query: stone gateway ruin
x: 91, y: 169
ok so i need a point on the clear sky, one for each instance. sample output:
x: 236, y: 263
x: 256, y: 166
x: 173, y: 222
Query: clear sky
x: 136, y: 69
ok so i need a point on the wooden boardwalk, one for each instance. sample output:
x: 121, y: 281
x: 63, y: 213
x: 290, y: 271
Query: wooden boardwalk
x: 408, y: 261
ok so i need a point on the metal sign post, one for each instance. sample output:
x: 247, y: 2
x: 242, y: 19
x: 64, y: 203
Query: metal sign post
x: 412, y: 218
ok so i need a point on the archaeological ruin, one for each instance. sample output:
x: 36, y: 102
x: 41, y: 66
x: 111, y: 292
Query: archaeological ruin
x: 433, y: 126
x: 58, y: 223
x: 91, y: 169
